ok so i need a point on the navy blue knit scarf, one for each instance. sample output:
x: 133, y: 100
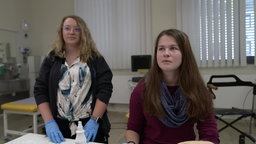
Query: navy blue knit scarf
x: 174, y: 107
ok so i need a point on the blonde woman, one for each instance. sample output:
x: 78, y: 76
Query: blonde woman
x: 74, y: 84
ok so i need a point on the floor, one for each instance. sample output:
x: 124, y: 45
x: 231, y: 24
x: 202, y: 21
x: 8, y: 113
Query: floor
x: 118, y: 120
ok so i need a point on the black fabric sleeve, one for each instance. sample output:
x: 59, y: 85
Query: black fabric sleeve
x: 103, y: 86
x: 41, y: 91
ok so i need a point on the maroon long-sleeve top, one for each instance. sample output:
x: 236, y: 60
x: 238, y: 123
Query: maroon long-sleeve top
x: 153, y: 131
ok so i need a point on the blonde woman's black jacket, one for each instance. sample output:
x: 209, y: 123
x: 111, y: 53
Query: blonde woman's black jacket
x: 46, y: 85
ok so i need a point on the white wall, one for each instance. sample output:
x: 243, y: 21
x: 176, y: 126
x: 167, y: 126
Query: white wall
x: 163, y: 16
x: 42, y: 17
x: 45, y: 18
x: 45, y: 15
x: 12, y: 12
x: 226, y: 97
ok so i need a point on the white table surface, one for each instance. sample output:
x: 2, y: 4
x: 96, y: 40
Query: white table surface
x: 32, y: 138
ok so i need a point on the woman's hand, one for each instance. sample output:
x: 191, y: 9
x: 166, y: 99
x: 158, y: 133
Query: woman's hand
x: 53, y: 131
x: 90, y: 130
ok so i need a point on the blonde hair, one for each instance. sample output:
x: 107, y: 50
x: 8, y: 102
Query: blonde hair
x: 87, y: 45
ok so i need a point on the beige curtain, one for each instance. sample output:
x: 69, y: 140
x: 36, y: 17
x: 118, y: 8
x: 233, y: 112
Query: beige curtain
x: 120, y: 28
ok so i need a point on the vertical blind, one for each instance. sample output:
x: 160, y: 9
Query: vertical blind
x: 222, y: 32
x: 250, y: 27
x: 120, y: 28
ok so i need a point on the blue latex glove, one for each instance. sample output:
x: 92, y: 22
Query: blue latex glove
x: 90, y: 130
x: 53, y: 131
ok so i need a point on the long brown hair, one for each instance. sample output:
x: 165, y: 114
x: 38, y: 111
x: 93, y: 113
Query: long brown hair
x: 87, y: 45
x: 198, y: 98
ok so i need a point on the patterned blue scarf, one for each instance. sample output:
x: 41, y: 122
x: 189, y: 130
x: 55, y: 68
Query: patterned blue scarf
x: 174, y: 107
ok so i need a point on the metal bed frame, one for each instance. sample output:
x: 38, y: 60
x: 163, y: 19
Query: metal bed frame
x: 240, y: 113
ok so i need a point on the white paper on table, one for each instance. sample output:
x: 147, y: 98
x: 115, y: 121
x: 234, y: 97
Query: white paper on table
x: 32, y: 138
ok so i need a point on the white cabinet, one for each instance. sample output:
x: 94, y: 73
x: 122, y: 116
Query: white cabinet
x: 122, y: 87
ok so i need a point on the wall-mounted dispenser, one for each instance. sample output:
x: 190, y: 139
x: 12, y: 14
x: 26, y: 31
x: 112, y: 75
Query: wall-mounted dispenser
x: 25, y: 28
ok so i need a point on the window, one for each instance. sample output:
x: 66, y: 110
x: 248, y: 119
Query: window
x: 250, y: 31
x: 222, y: 32
x: 250, y: 28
